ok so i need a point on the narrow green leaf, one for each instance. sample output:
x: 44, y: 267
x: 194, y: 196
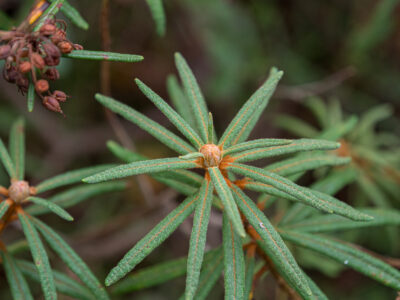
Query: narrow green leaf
x: 296, y: 126
x: 198, y: 238
x: 64, y: 284
x: 259, y: 143
x: 250, y: 268
x: 142, y: 167
x: 31, y: 96
x: 4, y: 206
x: 192, y: 155
x: 224, y: 192
x: 162, y: 134
x: 178, y: 98
x: 372, y: 191
x: 51, y: 206
x: 342, y: 129
x: 319, y: 109
x: 171, y: 114
x: 309, y: 197
x: 299, y: 164
x: 348, y: 255
x: 18, y: 285
x: 76, y: 195
x: 70, y: 178
x: 71, y: 259
x: 123, y: 153
x: 194, y: 95
x: 100, y: 55
x: 234, y: 267
x: 152, y: 240
x: 317, y: 294
x: 296, y: 146
x: 329, y: 223
x: 271, y: 243
x: 73, y: 15
x: 158, y: 14
x: 177, y: 185
x: 51, y: 11
x: 17, y: 147
x: 210, y: 129
x: 39, y: 256
x: 7, y: 161
x: 248, y: 115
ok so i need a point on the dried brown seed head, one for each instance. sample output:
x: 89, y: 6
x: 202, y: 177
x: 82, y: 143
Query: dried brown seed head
x: 42, y: 86
x: 212, y: 155
x: 37, y: 61
x: 25, y: 67
x: 4, y: 51
x: 65, y: 47
x: 19, y: 191
x: 51, y: 74
x: 51, y: 50
x: 11, y: 74
x: 51, y: 61
x: 60, y: 96
x: 48, y: 29
x: 52, y: 104
x: 58, y: 37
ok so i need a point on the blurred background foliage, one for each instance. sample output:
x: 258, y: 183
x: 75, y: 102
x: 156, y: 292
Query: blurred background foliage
x: 346, y: 50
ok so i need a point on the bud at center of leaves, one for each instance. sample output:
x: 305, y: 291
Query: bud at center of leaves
x: 19, y: 191
x: 212, y: 155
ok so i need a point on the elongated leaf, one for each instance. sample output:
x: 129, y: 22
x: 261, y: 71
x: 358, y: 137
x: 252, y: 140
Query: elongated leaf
x: 73, y: 15
x: 198, y: 238
x: 265, y: 92
x: 310, y: 197
x: 226, y: 197
x: 295, y: 146
x: 70, y: 178
x: 299, y: 164
x: 71, y: 259
x: 165, y: 136
x: 317, y: 293
x: 18, y: 285
x: 4, y: 206
x: 100, y: 55
x: 158, y: 14
x: 7, y: 161
x: 17, y: 147
x: 336, y: 132
x: 142, y: 167
x: 234, y: 267
x: 296, y: 126
x: 64, y: 284
x: 52, y: 206
x: 76, y: 195
x: 39, y: 256
x: 246, y: 118
x: 31, y: 97
x: 171, y: 114
x: 152, y: 240
x: 372, y: 191
x: 250, y: 268
x: 329, y: 223
x: 178, y: 98
x: 319, y: 109
x: 123, y: 153
x: 271, y: 242
x: 259, y: 143
x: 49, y: 13
x: 194, y: 95
x: 347, y: 255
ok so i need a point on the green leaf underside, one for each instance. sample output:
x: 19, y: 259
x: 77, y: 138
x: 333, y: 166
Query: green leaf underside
x: 71, y: 259
x: 18, y: 285
x: 7, y: 161
x: 296, y: 146
x: 52, y: 206
x: 74, y: 16
x: 246, y: 118
x: 347, y: 255
x: 69, y: 178
x: 4, y: 206
x: 157, y: 274
x: 31, y: 97
x: 329, y: 223
x: 17, y: 147
x: 194, y: 95
x: 198, y: 238
x: 258, y: 143
x: 295, y: 165
x: 159, y: 132
x: 39, y: 256
x: 225, y: 194
x: 101, y: 55
x: 309, y: 197
x: 51, y: 11
x: 142, y: 167
x: 158, y: 14
x: 171, y: 114
x: 76, y: 195
x: 271, y: 243
x: 64, y: 284
x: 152, y: 240
x: 234, y: 267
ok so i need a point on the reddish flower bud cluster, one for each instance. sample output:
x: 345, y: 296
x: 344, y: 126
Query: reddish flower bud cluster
x: 34, y: 56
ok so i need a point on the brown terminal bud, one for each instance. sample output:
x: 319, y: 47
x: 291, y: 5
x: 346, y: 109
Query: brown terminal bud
x: 48, y: 29
x: 65, y: 47
x: 42, y: 86
x: 25, y: 67
x: 60, y: 96
x: 37, y: 61
x: 4, y: 51
x: 212, y: 155
x: 19, y: 191
x: 51, y: 74
x: 52, y: 104
x: 51, y: 50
